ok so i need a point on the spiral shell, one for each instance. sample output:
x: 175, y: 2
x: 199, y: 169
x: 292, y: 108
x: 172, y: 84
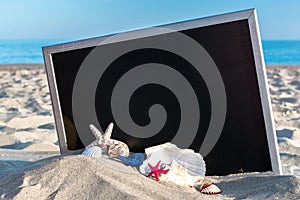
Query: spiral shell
x: 93, y: 151
x: 209, y: 188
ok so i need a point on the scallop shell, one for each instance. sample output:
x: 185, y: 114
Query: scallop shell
x: 209, y: 188
x: 93, y: 151
x: 179, y: 175
x: 167, y: 153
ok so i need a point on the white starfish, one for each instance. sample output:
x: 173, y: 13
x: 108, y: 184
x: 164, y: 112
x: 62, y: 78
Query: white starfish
x: 111, y: 147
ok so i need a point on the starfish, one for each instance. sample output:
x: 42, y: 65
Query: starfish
x: 110, y: 146
x: 156, y: 170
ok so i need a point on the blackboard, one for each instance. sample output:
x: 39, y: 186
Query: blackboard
x: 200, y: 84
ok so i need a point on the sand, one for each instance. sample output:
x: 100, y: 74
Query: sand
x: 26, y: 118
x: 284, y: 84
x: 90, y: 178
x: 31, y: 167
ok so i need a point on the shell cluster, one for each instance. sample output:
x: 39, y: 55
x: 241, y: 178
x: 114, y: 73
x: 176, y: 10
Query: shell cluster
x: 167, y: 153
x: 186, y: 168
x: 183, y: 167
x: 111, y: 147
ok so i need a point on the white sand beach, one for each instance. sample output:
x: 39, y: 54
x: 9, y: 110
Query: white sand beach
x: 31, y: 167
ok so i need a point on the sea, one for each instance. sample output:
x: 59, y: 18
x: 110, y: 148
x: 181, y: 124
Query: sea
x: 276, y: 52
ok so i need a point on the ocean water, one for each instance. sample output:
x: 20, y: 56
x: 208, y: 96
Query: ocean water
x: 23, y: 51
x: 282, y: 52
x: 30, y: 51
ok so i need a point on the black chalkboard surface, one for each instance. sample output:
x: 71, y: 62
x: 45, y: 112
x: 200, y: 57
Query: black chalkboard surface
x: 200, y: 84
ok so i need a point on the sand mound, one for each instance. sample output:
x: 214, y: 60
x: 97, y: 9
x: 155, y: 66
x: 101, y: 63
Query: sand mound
x: 80, y: 177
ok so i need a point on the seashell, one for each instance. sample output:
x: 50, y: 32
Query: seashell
x: 93, y: 151
x: 179, y: 175
x: 167, y: 153
x: 209, y: 188
x: 116, y: 148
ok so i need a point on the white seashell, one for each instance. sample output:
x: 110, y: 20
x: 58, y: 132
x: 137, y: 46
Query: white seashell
x: 209, y: 188
x: 179, y: 175
x: 93, y: 151
x: 167, y: 153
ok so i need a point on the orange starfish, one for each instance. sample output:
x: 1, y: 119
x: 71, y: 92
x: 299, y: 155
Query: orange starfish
x: 156, y: 170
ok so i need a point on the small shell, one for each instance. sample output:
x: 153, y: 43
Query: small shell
x: 118, y: 148
x: 93, y: 151
x: 209, y: 188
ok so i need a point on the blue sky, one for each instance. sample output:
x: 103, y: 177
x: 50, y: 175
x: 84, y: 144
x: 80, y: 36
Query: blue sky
x: 75, y: 19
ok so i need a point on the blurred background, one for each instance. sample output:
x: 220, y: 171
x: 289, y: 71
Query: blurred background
x: 26, y: 26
